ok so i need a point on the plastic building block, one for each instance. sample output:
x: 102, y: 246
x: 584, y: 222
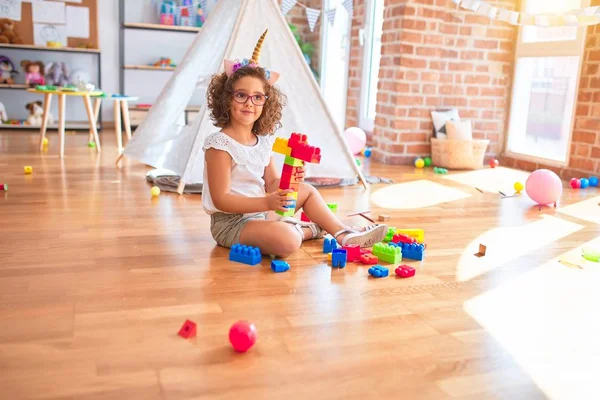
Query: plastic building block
x: 387, y: 253
x: 329, y: 244
x: 383, y: 217
x: 328, y: 256
x: 369, y: 259
x: 304, y: 218
x: 418, y: 234
x: 352, y: 251
x: 333, y: 207
x: 188, y: 329
x: 365, y: 251
x: 378, y: 271
x: 338, y: 258
x: 439, y: 170
x: 404, y: 271
x: 281, y: 146
x: 296, y: 139
x: 400, y: 238
x: 279, y: 266
x: 294, y: 162
x: 245, y: 254
x: 390, y: 234
x: 4, y: 187
x: 28, y: 169
x: 414, y: 251
x: 306, y: 153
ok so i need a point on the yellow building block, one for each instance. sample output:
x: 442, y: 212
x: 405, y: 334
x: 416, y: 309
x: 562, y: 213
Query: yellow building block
x: 281, y: 146
x: 418, y: 234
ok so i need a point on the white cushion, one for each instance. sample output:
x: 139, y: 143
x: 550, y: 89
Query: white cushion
x: 439, y: 121
x: 459, y: 130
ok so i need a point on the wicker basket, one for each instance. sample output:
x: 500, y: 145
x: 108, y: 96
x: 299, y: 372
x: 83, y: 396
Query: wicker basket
x: 458, y: 154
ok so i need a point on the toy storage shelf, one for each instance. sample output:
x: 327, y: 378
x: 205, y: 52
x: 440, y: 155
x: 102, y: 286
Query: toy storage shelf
x: 149, y: 67
x: 158, y: 27
x: 46, y: 48
x: 69, y: 125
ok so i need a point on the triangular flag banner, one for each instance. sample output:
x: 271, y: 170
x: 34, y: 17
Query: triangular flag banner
x: 312, y: 15
x: 348, y: 6
x: 287, y: 5
x: 331, y: 16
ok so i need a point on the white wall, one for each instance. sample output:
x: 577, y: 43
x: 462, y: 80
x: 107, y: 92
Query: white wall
x: 108, y: 27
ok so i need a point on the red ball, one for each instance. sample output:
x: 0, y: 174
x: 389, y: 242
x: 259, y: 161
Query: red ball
x: 242, y: 336
x: 575, y: 183
x: 494, y: 163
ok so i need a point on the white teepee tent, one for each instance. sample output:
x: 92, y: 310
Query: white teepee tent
x: 231, y: 32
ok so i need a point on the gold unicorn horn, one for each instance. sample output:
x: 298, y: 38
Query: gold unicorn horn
x: 256, y: 53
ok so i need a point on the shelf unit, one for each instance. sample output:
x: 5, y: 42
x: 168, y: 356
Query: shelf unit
x: 138, y: 113
x: 7, y: 48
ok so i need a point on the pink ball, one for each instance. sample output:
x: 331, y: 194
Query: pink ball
x: 242, y: 336
x: 544, y: 187
x: 575, y: 183
x: 356, y: 139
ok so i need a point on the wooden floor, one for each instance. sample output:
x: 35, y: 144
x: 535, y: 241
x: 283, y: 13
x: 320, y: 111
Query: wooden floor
x: 96, y: 279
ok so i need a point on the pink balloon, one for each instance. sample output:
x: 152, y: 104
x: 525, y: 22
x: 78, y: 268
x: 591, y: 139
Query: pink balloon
x: 356, y: 139
x: 544, y: 187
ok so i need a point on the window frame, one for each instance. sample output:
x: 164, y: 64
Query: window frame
x: 574, y: 47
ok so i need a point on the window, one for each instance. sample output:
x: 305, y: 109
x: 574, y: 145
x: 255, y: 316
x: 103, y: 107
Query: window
x: 372, y: 55
x: 546, y: 79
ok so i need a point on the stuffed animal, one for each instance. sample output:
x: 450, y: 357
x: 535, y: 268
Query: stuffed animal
x: 36, y: 114
x: 7, y: 32
x: 57, y: 74
x: 33, y: 72
x: 79, y: 78
x: 7, y: 70
x: 3, y: 116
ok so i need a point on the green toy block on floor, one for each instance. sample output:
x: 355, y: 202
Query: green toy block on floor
x: 390, y: 234
x: 333, y: 207
x: 293, y: 162
x: 387, y: 253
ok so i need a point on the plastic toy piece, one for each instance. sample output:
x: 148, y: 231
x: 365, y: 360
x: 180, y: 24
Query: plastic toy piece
x: 304, y: 218
x: 328, y: 256
x: 296, y: 139
x: 245, y: 254
x: 387, y: 253
x: 593, y: 181
x: 242, y: 336
x: 352, y: 252
x: 383, y: 217
x: 188, y: 329
x: 306, y: 153
x: 293, y: 162
x: 400, y: 238
x: 378, y: 271
x: 482, y: 250
x: 4, y: 187
x: 338, y: 258
x: 281, y: 146
x: 390, y: 234
x: 414, y: 251
x: 439, y: 170
x: 418, y: 234
x: 494, y: 163
x: 279, y: 266
x: 28, y: 169
x: 590, y: 254
x: 329, y: 244
x: 404, y: 271
x: 333, y: 207
x: 368, y: 259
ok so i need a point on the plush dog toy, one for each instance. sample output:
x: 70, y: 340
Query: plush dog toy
x: 36, y: 114
x: 3, y: 116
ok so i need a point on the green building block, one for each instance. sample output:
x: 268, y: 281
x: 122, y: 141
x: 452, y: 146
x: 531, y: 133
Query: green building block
x: 387, y: 253
x: 390, y: 234
x: 333, y: 207
x: 293, y: 162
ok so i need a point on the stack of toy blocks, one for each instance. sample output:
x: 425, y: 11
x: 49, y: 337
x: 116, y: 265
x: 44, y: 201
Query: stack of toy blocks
x: 414, y: 251
x: 329, y: 244
x: 296, y: 151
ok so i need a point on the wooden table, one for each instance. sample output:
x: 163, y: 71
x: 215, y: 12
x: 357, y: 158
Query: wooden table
x: 92, y: 114
x: 121, y: 108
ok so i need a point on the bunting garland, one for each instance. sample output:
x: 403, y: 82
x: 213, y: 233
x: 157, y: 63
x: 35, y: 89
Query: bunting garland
x: 349, y: 7
x: 312, y: 14
x: 287, y: 5
x: 578, y: 17
x: 331, y: 16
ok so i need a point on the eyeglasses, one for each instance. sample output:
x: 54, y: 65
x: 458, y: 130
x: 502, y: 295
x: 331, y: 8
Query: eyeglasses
x: 257, y: 99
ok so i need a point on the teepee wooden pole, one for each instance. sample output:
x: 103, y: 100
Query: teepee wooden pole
x: 315, y: 85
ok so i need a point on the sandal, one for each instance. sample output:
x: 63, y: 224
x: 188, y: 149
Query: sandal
x: 372, y: 234
x: 316, y: 230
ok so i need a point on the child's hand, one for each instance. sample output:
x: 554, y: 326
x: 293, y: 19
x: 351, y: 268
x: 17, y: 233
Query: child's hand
x: 279, y: 199
x: 300, y: 174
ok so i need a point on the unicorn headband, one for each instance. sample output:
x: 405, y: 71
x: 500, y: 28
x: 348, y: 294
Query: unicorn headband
x: 233, y: 65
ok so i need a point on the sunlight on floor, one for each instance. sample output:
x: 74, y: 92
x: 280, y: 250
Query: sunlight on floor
x: 491, y: 180
x: 547, y: 319
x: 587, y: 210
x: 508, y: 243
x: 415, y: 194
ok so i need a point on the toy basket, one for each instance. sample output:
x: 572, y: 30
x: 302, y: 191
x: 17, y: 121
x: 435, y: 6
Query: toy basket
x: 458, y: 154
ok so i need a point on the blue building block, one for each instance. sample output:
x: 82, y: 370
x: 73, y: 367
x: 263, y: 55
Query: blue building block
x: 414, y: 251
x: 329, y: 244
x: 279, y: 266
x: 338, y: 258
x: 378, y: 271
x: 245, y: 254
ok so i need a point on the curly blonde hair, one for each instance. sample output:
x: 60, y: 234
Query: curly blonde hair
x: 220, y: 95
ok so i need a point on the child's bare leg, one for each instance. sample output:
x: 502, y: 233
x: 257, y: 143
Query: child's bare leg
x: 315, y: 208
x: 272, y: 237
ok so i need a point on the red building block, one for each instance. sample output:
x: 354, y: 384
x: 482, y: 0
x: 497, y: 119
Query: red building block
x: 399, y: 238
x: 352, y: 252
x: 368, y: 259
x: 306, y: 153
x: 304, y: 218
x: 296, y: 139
x: 404, y: 271
x: 188, y: 329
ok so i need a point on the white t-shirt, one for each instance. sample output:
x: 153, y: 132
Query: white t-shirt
x: 247, y: 170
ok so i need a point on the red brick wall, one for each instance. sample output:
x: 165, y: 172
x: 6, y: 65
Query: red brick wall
x: 355, y: 64
x: 437, y: 56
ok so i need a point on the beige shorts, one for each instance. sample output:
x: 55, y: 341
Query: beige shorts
x: 227, y: 228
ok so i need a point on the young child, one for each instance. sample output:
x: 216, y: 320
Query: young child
x: 240, y: 178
